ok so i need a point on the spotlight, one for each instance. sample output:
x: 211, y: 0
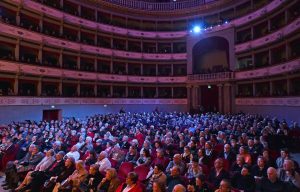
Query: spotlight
x: 52, y: 106
x: 209, y: 86
x: 226, y: 22
x: 196, y: 29
x: 104, y: 105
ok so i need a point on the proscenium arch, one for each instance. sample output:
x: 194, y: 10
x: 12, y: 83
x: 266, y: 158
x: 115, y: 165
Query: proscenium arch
x: 210, y: 53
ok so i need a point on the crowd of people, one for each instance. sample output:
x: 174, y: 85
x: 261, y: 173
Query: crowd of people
x: 159, y: 152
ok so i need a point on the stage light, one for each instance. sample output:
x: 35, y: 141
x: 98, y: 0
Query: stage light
x: 104, y: 105
x: 226, y: 22
x: 197, y: 29
x: 209, y: 86
x: 52, y: 106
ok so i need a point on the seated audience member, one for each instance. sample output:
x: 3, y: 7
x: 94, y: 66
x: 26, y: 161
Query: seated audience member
x: 110, y: 182
x: 198, y: 185
x: 203, y: 159
x: 91, y: 158
x: 131, y: 184
x: 259, y: 170
x: 103, y: 162
x: 117, y: 154
x: 186, y: 156
x: 244, y: 181
x: 228, y: 154
x: 147, y: 146
x: 284, y: 154
x: 74, y: 153
x: 194, y: 170
x: 156, y: 187
x: 27, y: 163
x: 176, y: 162
x: 217, y: 173
x: 289, y: 175
x: 158, y: 176
x: 244, y: 153
x: 44, y: 164
x: 145, y: 158
x: 160, y: 159
x: 53, y: 170
x: 237, y: 165
x: 125, y: 144
x: 271, y: 183
x: 56, y: 179
x: 132, y: 155
x: 93, y: 179
x: 174, y: 178
x: 225, y: 186
x: 179, y: 188
x: 270, y: 162
x: 72, y: 183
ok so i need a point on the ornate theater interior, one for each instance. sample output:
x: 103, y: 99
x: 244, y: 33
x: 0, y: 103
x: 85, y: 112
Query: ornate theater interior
x: 149, y: 95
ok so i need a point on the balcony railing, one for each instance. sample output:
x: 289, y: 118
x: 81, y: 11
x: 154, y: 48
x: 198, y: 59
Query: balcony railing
x: 151, y: 6
x: 211, y: 77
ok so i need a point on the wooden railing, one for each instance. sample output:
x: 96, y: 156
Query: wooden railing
x: 211, y: 77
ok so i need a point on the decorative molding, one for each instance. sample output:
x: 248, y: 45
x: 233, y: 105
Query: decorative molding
x: 286, y: 30
x: 52, y: 41
x: 19, y: 68
x: 293, y: 65
x: 209, y: 78
x: 283, y: 101
x: 4, y: 101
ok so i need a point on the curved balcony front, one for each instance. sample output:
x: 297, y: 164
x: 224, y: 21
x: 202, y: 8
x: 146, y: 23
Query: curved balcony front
x: 19, y: 68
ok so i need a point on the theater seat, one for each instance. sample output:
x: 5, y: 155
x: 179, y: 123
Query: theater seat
x: 124, y: 169
x: 142, y: 171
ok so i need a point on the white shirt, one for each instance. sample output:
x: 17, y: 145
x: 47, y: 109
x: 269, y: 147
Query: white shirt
x: 75, y: 155
x: 103, y: 164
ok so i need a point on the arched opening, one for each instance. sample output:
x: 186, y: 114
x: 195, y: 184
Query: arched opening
x: 211, y: 55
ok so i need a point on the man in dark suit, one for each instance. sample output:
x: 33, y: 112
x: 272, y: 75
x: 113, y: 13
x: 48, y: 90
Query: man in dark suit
x: 228, y: 154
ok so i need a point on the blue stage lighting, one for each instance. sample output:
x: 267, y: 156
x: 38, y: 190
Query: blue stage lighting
x: 196, y: 29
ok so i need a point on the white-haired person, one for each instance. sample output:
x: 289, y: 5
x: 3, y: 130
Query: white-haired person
x: 103, y: 162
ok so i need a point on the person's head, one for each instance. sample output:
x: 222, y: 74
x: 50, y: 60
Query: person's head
x: 110, y: 174
x: 272, y: 174
x: 35, y: 149
x: 200, y: 180
x: 225, y: 186
x: 125, y: 138
x: 261, y: 161
x: 131, y: 178
x: 179, y: 188
x: 242, y: 150
x: 74, y: 148
x: 201, y: 152
x: 218, y: 164
x: 60, y: 155
x: 157, y: 169
x: 208, y: 145
x: 245, y: 170
x: 175, y: 171
x: 288, y: 165
x: 250, y: 142
x: 187, y: 150
x: 102, y: 155
x: 157, y: 187
x: 70, y: 161
x: 50, y: 153
x: 177, y: 158
x: 146, y: 153
x: 284, y: 153
x: 79, y: 165
x: 227, y: 148
x: 94, y: 169
x: 132, y: 150
x: 159, y: 153
x: 195, y: 164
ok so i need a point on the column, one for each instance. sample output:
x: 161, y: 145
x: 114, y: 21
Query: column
x: 271, y: 88
x: 96, y: 64
x: 39, y: 87
x: 40, y: 55
x: 288, y: 87
x: 60, y: 59
x: 220, y: 98
x: 95, y: 89
x: 16, y: 85
x: 254, y: 89
x: 60, y: 88
x: 195, y: 97
x: 17, y: 51
x: 78, y: 88
x: 111, y: 91
x: 189, y: 97
x: 227, y: 95
x: 172, y: 92
x: 126, y: 91
x: 142, y: 92
x: 78, y: 62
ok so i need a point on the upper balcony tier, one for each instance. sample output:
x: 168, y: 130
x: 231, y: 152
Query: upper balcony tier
x: 171, y: 34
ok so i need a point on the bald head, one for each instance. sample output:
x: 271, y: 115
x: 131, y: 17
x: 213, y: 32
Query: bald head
x: 179, y: 188
x: 272, y: 174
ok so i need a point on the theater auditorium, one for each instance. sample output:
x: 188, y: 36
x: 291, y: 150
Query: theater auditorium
x: 149, y: 95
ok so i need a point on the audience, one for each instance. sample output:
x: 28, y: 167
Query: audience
x: 179, y: 152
